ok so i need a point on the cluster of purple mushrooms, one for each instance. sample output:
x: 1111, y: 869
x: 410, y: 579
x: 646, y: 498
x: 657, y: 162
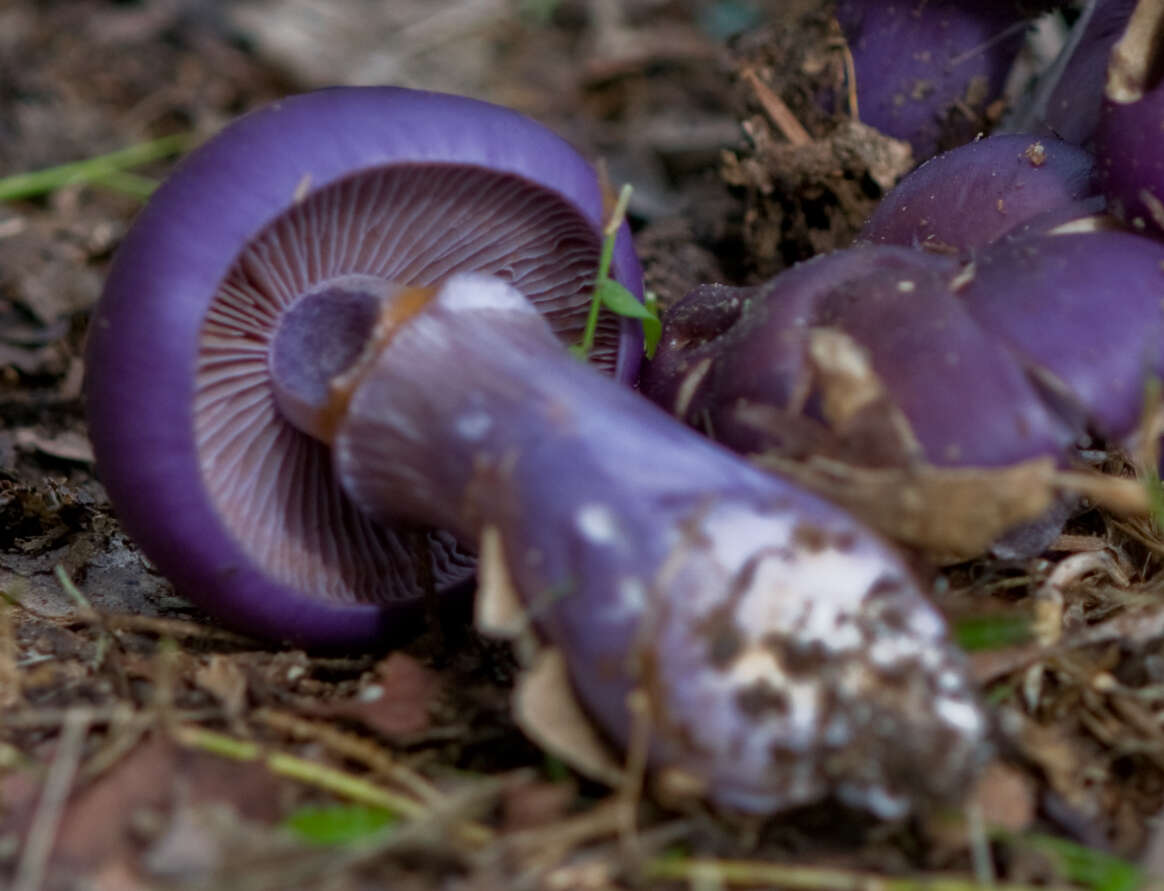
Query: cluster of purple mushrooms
x: 330, y: 365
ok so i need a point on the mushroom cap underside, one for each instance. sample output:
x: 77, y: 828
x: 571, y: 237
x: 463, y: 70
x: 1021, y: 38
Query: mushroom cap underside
x: 171, y: 366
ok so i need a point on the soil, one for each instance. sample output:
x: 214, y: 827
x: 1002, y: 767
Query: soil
x: 143, y: 746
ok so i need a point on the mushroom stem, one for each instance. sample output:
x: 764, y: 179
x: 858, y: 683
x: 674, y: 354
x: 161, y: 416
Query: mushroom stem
x: 785, y: 652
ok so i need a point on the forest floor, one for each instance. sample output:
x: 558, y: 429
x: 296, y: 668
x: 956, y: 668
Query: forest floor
x: 144, y: 746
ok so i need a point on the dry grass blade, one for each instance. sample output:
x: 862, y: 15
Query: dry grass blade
x: 321, y: 776
x: 709, y: 873
x: 38, y: 845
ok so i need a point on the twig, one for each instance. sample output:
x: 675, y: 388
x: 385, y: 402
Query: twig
x: 851, y: 81
x: 123, y: 737
x: 543, y: 847
x: 720, y: 873
x: 1133, y: 627
x: 993, y: 40
x: 10, y: 693
x: 176, y: 628
x: 778, y: 113
x: 631, y: 790
x: 321, y: 776
x: 355, y: 748
x: 118, y: 712
x: 979, y: 844
x: 45, y: 822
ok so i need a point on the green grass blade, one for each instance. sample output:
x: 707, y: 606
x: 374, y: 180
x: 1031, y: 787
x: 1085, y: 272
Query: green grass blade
x: 93, y: 170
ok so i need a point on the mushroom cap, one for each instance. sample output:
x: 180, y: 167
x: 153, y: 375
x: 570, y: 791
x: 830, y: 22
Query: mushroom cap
x: 976, y: 193
x: 921, y: 65
x: 1082, y: 313
x: 884, y: 309
x: 242, y: 510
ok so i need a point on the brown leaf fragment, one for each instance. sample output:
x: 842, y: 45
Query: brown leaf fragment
x: 1063, y: 763
x: 856, y: 403
x: 535, y: 804
x: 222, y: 677
x: 546, y: 709
x: 499, y: 612
x: 97, y: 823
x: 953, y: 513
x: 94, y: 826
x: 1006, y: 796
x: 397, y: 701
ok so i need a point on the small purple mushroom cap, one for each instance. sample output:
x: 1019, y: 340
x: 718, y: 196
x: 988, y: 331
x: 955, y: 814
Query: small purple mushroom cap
x: 978, y: 192
x: 324, y: 187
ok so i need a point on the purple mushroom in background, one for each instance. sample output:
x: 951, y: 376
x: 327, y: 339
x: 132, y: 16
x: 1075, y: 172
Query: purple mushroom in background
x: 926, y: 70
x: 1082, y: 313
x: 261, y: 458
x: 884, y: 356
x: 1130, y: 139
x: 948, y: 393
x: 976, y: 193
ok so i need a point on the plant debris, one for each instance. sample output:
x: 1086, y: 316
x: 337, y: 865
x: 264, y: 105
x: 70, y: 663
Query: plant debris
x: 142, y: 746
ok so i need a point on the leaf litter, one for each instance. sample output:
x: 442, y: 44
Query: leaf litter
x: 142, y: 746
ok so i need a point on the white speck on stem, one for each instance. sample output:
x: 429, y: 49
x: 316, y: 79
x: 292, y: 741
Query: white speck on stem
x: 596, y: 523
x: 632, y: 599
x: 959, y: 713
x: 474, y: 425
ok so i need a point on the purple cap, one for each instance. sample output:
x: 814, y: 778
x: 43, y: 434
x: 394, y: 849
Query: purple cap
x: 228, y: 500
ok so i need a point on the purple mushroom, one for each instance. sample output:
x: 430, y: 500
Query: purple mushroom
x: 887, y: 356
x: 294, y: 353
x: 1130, y: 138
x: 978, y: 192
x: 926, y: 70
x: 1082, y: 313
x: 882, y: 323
x: 388, y: 183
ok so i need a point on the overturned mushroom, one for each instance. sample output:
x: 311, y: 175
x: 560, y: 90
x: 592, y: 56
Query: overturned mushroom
x: 783, y: 652
x: 334, y: 187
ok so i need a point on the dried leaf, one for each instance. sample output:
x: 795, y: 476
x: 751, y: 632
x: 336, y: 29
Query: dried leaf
x: 222, y: 677
x: 398, y: 701
x: 954, y: 513
x: 1006, y: 797
x: 547, y: 711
